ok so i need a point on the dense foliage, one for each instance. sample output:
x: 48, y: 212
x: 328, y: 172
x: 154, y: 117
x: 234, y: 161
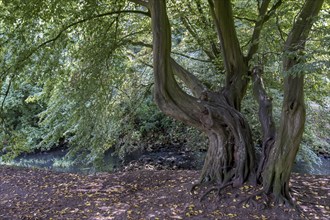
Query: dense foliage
x: 81, y: 72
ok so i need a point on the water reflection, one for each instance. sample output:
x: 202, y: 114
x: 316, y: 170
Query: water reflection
x: 57, y: 161
x: 316, y: 169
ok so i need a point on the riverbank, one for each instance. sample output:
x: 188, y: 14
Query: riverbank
x: 142, y: 194
x: 160, y: 157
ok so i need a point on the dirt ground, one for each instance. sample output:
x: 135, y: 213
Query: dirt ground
x: 144, y: 194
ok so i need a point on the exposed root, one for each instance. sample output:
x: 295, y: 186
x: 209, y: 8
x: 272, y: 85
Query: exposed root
x: 289, y: 202
x: 194, y: 186
x: 215, y: 189
x: 208, y: 192
x: 259, y: 200
x: 199, y: 184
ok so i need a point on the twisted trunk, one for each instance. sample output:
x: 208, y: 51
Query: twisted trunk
x: 230, y: 157
x: 266, y: 119
x: 277, y: 172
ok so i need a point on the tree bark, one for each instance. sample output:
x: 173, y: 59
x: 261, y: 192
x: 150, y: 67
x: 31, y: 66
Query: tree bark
x: 230, y: 157
x: 265, y: 113
x: 236, y: 67
x: 278, y: 168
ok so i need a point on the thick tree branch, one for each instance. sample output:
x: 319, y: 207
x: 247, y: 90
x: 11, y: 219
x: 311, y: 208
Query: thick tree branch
x: 170, y: 98
x: 265, y: 104
x: 217, y: 26
x: 266, y: 119
x: 232, y: 51
x: 300, y: 31
x: 190, y: 80
x: 235, y: 64
x: 263, y: 17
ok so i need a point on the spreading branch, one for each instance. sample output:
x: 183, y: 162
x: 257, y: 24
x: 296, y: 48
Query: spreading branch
x: 264, y: 16
x: 217, y: 25
x: 190, y: 80
x: 144, y: 44
x: 245, y: 18
x: 190, y: 57
x: 141, y: 2
x: 88, y: 19
x: 65, y: 28
x: 234, y: 62
x: 170, y: 98
x: 198, y: 40
x: 7, y: 92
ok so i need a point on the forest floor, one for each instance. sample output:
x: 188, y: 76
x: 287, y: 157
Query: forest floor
x: 144, y: 194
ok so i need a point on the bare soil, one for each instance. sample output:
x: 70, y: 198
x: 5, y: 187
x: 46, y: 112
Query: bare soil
x: 144, y: 194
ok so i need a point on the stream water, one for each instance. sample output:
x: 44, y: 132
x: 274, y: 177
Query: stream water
x: 317, y: 169
x: 56, y: 161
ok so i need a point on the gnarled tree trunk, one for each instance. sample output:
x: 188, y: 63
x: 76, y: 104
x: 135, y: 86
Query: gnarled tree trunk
x: 230, y: 157
x: 266, y: 120
x: 276, y: 174
x: 278, y: 169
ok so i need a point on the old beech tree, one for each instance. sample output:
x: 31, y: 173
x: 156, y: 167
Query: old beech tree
x: 231, y: 158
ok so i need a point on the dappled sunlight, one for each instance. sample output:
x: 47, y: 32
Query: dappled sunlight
x: 117, y: 209
x: 312, y: 194
x: 163, y: 94
x: 144, y: 194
